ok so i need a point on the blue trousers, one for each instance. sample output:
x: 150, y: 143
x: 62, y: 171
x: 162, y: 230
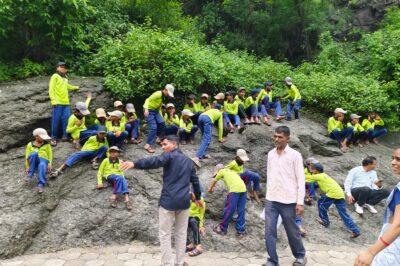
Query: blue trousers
x: 359, y: 136
x: 251, y: 178
x: 262, y: 110
x: 188, y: 136
x: 36, y: 162
x: 156, y: 125
x: 272, y: 105
x: 233, y: 119
x: 371, y: 133
x: 171, y: 130
x: 234, y: 202
x: 290, y: 107
x: 252, y: 110
x: 116, y: 141
x: 323, y: 206
x: 339, y: 136
x: 82, y: 155
x: 206, y: 127
x: 195, y: 118
x: 84, y: 135
x: 133, y: 128
x: 59, y: 120
x: 119, y: 183
x: 310, y: 189
x: 288, y: 214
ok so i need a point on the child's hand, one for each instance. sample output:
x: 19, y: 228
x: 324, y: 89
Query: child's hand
x: 99, y: 186
x: 89, y: 95
x: 78, y: 123
x: 199, y: 203
x: 202, y: 231
x: 49, y: 168
x: 211, y: 190
x: 117, y: 134
x: 146, y: 112
x: 131, y: 119
x: 26, y: 172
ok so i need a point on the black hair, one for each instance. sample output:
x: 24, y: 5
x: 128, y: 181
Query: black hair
x: 283, y: 129
x: 368, y: 160
x: 172, y: 138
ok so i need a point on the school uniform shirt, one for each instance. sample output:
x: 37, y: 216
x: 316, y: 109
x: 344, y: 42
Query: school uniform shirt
x: 293, y: 93
x: 73, y: 129
x: 93, y: 144
x: 231, y: 108
x: 240, y: 100
x: 194, y: 108
x: 357, y: 128
x: 334, y: 124
x: 107, y: 168
x: 196, y: 211
x: 234, y: 166
x: 58, y: 89
x: 187, y: 126
x: 43, y: 151
x: 97, y: 122
x: 306, y: 172
x: 366, y: 124
x: 111, y: 127
x: 170, y: 122
x: 154, y: 102
x: 202, y: 108
x: 232, y: 180
x: 216, y: 115
x: 125, y: 118
x: 249, y: 101
x: 327, y: 185
x: 262, y: 95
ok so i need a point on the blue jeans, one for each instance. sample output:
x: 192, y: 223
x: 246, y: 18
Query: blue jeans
x: 262, y: 110
x: 376, y: 133
x: 234, y: 202
x: 250, y: 178
x: 206, y: 127
x: 36, y: 162
x: 252, y: 110
x: 323, y: 206
x: 171, y: 130
x: 187, y: 136
x: 359, y: 136
x: 339, y: 136
x: 290, y: 107
x: 84, y: 135
x: 116, y: 141
x: 232, y: 119
x: 157, y: 126
x: 61, y: 113
x: 82, y: 155
x: 310, y: 191
x: 288, y: 214
x: 133, y: 128
x: 272, y: 105
x: 119, y: 183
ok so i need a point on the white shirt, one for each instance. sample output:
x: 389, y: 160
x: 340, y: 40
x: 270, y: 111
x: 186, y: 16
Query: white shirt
x: 358, y: 177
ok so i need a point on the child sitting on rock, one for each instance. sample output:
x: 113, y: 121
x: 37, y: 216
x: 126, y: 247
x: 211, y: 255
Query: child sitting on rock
x: 333, y: 194
x: 116, y: 133
x: 109, y: 170
x: 38, y: 156
x: 196, y: 226
x: 76, y: 122
x: 186, y: 128
x: 132, y: 123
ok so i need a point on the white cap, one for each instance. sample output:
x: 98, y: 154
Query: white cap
x: 217, y: 168
x: 170, y: 105
x: 242, y: 155
x: 170, y: 89
x: 288, y: 80
x: 81, y: 106
x: 114, y: 148
x: 219, y: 96
x: 116, y: 113
x: 42, y: 133
x: 340, y: 110
x: 352, y: 116
x: 118, y: 103
x: 187, y: 112
x: 204, y: 95
x: 100, y: 113
x: 130, y: 108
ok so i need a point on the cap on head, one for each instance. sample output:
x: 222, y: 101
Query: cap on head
x: 318, y: 167
x: 241, y: 89
x: 130, y: 108
x: 231, y: 93
x: 170, y: 105
x: 204, y: 95
x: 311, y: 160
x: 82, y: 108
x: 241, y: 153
x: 63, y: 64
x: 354, y: 116
x: 116, y: 113
x: 187, y: 112
x: 217, y: 168
x: 100, y: 113
x: 288, y: 81
x: 266, y: 84
x: 118, y: 103
x: 114, y: 148
x: 220, y: 96
x: 254, y: 91
x: 340, y: 110
x: 42, y: 133
x: 101, y: 129
x: 170, y: 89
x: 190, y: 97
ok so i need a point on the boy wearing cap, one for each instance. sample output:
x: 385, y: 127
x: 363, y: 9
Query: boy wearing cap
x: 337, y: 131
x: 58, y: 92
x: 171, y: 120
x: 310, y: 186
x: 132, y: 123
x: 358, y: 131
x: 265, y: 98
x: 206, y: 122
x: 371, y: 125
x: 247, y: 176
x: 186, y: 128
x: 118, y: 105
x: 240, y: 98
x: 203, y: 105
x: 219, y: 99
x: 116, y: 129
x: 101, y: 118
x: 235, y: 200
x: 152, y: 114
x: 231, y: 108
x: 251, y: 107
x: 38, y: 156
x: 110, y: 171
x: 76, y: 122
x: 294, y: 99
x: 95, y: 148
x: 333, y: 194
x: 191, y: 104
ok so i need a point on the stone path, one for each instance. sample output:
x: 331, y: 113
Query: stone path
x: 138, y: 254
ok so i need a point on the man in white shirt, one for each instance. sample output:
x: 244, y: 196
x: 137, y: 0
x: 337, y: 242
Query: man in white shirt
x: 363, y: 188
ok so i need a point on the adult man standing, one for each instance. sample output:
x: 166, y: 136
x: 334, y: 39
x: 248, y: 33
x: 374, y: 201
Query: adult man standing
x: 363, y: 188
x: 285, y: 196
x: 179, y: 172
x: 58, y: 92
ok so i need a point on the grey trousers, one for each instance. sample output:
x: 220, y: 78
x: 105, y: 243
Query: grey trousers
x: 166, y: 221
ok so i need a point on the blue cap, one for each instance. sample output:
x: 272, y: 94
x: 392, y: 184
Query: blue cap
x: 318, y: 167
x: 217, y: 106
x: 254, y: 91
x: 268, y: 84
x: 101, y: 129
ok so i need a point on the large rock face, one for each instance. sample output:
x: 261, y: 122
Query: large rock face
x: 72, y: 213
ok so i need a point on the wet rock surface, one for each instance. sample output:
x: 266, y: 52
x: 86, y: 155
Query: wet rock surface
x: 72, y: 213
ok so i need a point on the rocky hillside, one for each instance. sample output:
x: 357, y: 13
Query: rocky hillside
x: 72, y: 213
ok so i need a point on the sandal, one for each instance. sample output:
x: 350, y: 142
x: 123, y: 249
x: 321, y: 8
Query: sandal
x: 321, y: 222
x: 354, y: 235
x: 195, y: 252
x: 128, y: 205
x: 55, y: 173
x: 149, y: 149
x: 113, y: 203
x: 188, y: 249
x: 53, y: 142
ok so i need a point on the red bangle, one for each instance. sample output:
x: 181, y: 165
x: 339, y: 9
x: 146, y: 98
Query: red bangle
x: 384, y: 242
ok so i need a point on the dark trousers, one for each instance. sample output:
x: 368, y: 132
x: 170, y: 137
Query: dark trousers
x: 367, y: 195
x: 59, y: 120
x: 288, y: 213
x: 193, y: 227
x: 242, y: 111
x: 234, y: 202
